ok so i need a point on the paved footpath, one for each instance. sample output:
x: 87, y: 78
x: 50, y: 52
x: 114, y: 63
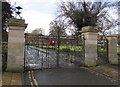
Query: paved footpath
x: 11, y: 79
x: 108, y: 70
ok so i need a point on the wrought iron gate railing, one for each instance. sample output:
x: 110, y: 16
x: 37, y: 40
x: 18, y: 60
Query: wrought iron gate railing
x: 102, y: 50
x: 44, y: 52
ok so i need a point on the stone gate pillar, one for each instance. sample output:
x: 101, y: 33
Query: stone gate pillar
x: 15, y: 61
x: 112, y: 49
x: 90, y: 36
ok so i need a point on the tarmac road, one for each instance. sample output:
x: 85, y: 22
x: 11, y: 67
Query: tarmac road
x: 66, y: 76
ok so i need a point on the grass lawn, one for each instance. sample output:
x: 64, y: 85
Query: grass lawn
x: 101, y: 50
x: 118, y: 50
x: 72, y: 48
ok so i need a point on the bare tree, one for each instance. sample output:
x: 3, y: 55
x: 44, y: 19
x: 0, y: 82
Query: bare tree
x: 106, y: 26
x: 58, y: 27
x: 83, y: 13
x: 37, y: 31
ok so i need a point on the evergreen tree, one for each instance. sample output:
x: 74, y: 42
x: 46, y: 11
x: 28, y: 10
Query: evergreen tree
x: 6, y: 14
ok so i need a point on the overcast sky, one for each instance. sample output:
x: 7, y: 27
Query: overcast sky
x: 38, y: 13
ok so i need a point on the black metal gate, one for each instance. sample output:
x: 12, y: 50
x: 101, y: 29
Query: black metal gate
x: 46, y: 52
x: 102, y: 49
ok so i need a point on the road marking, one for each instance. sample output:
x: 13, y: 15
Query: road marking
x: 34, y: 80
x: 30, y: 79
x: 32, y: 74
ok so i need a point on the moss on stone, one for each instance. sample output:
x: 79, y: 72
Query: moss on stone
x: 18, y: 21
x: 82, y: 63
x: 89, y: 29
x: 90, y: 64
x: 114, y: 62
x: 16, y: 69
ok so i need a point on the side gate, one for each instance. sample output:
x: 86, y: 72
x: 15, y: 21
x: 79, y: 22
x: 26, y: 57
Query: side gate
x: 48, y: 52
x: 102, y: 49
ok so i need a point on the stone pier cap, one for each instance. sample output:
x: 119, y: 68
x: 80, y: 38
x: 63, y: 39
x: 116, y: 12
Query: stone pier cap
x: 17, y: 22
x: 89, y: 29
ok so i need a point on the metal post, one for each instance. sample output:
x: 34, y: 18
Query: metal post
x: 24, y: 51
x: 27, y: 40
x: 38, y: 50
x: 48, y: 52
x: 58, y: 45
x: 107, y: 49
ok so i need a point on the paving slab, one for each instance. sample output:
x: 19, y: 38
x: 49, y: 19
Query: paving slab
x: 111, y: 71
x: 11, y: 79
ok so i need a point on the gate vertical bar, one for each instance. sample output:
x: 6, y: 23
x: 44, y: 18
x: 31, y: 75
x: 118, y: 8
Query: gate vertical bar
x: 58, y: 45
x: 38, y: 51
x: 48, y: 51
x: 27, y: 44
x: 42, y: 53
x: 107, y: 48
x: 24, y: 51
x: 46, y: 42
x: 83, y: 47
